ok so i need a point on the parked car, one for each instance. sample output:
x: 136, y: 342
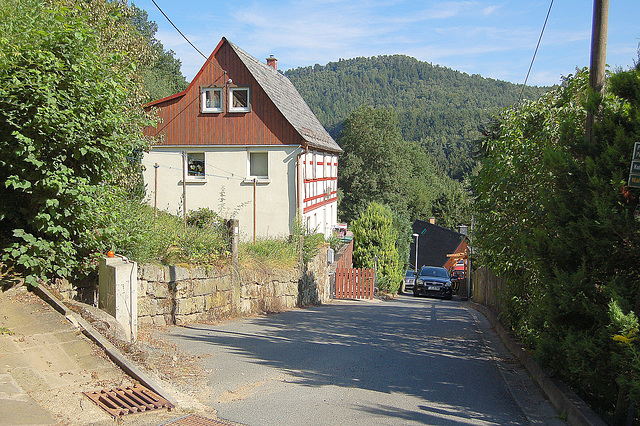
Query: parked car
x: 409, y: 279
x: 457, y: 275
x: 433, y: 281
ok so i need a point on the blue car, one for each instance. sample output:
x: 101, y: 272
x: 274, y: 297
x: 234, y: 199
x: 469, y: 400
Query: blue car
x: 433, y: 281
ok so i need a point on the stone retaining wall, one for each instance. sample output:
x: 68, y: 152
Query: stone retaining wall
x: 185, y: 294
x: 181, y: 295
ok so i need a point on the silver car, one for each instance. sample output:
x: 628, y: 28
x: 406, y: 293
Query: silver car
x: 409, y: 279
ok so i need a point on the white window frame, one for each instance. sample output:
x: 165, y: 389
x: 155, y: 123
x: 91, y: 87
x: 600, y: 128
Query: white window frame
x: 231, y: 98
x: 195, y: 176
x: 203, y: 100
x: 261, y: 178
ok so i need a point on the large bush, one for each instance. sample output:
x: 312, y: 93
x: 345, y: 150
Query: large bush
x: 554, y: 216
x: 375, y: 242
x: 70, y: 115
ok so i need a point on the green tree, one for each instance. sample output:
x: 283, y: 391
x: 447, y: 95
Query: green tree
x: 437, y: 106
x: 375, y: 241
x: 378, y: 165
x: 554, y: 216
x: 162, y: 76
x: 70, y: 115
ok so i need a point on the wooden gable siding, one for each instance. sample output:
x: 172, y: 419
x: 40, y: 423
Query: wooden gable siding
x: 183, y: 123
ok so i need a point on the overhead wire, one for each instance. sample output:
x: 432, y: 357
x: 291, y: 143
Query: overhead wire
x: 232, y: 177
x: 536, y: 51
x: 185, y: 37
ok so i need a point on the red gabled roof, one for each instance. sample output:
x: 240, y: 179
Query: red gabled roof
x: 281, y: 96
x: 196, y: 78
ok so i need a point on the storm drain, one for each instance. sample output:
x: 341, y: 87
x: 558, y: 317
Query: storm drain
x: 132, y: 399
x: 195, y: 420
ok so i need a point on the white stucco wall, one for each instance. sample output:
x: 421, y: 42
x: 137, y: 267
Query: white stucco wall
x: 228, y: 168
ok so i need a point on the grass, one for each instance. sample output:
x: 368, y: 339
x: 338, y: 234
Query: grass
x: 128, y: 227
x: 269, y: 254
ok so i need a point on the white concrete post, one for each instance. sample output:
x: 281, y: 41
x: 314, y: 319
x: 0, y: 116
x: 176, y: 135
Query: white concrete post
x: 118, y: 292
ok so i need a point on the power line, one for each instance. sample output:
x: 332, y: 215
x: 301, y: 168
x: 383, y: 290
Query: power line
x: 185, y: 37
x: 232, y: 177
x: 534, y: 53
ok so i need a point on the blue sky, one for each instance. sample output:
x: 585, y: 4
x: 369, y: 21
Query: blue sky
x: 495, y: 39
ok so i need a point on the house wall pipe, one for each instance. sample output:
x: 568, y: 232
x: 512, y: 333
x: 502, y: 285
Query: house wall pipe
x: 155, y: 196
x: 184, y: 188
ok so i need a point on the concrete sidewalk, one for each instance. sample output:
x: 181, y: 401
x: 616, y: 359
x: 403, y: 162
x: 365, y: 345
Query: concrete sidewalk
x: 45, y: 365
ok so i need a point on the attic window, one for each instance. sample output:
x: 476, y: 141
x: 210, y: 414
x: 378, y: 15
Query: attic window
x: 211, y: 99
x: 239, y: 99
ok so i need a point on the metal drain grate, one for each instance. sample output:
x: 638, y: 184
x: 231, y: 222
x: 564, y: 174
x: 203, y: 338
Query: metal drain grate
x: 133, y: 399
x: 195, y: 420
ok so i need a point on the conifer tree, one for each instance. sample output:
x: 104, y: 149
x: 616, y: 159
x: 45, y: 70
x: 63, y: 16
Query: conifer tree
x: 375, y: 245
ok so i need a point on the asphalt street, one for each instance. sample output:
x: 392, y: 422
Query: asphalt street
x: 405, y: 361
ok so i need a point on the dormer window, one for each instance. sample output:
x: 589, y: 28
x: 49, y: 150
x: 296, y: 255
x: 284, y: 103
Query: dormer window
x: 211, y: 99
x: 239, y: 99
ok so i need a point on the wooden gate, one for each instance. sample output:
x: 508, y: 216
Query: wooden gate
x: 354, y: 283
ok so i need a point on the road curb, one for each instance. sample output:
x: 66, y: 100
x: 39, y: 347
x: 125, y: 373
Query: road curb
x: 113, y: 352
x: 563, y: 399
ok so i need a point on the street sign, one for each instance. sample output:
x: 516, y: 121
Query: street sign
x: 634, y: 173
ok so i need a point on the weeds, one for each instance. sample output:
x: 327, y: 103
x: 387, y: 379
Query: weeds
x: 128, y: 227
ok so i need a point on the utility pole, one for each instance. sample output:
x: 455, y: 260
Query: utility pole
x: 184, y: 188
x: 598, y: 57
x: 155, y: 197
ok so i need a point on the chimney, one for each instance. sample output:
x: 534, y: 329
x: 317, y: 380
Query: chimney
x: 272, y: 62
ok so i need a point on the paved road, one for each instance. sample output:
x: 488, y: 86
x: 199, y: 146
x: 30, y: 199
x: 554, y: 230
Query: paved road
x: 407, y: 361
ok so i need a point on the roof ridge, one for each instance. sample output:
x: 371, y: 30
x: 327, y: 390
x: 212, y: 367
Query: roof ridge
x: 289, y: 102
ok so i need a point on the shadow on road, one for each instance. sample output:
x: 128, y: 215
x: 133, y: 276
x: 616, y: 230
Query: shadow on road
x: 425, y: 348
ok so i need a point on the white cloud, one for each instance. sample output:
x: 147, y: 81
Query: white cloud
x: 494, y: 38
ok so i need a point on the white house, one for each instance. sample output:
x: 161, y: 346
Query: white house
x: 244, y: 143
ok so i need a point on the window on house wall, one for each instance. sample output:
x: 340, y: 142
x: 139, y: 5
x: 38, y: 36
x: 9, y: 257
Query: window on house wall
x: 259, y: 165
x: 211, y: 99
x: 331, y: 166
x: 239, y: 99
x: 195, y: 165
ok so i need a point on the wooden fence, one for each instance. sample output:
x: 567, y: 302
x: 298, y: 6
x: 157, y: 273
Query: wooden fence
x: 486, y: 289
x: 354, y: 283
x: 345, y: 256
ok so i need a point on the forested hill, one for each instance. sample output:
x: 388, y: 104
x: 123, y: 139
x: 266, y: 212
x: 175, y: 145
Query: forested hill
x: 437, y: 106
